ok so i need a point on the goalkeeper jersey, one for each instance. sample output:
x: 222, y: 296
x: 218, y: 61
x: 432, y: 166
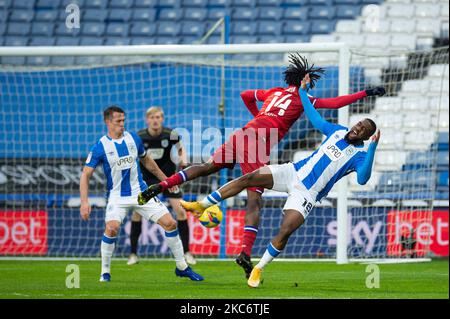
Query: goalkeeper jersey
x: 120, y: 162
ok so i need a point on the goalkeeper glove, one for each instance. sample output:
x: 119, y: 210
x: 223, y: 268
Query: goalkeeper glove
x: 379, y: 90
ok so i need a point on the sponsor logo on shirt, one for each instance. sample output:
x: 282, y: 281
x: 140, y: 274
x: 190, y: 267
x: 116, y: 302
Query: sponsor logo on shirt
x: 125, y: 162
x: 333, y: 152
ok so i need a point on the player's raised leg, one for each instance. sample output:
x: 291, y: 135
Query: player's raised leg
x: 292, y: 220
x: 108, y: 245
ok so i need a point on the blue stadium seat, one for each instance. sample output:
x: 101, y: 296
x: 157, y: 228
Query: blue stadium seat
x: 167, y: 40
x: 247, y: 14
x: 421, y: 180
x: 271, y: 39
x: 321, y: 12
x: 117, y: 29
x: 46, y: 15
x: 195, y: 14
x: 296, y: 27
x: 166, y: 29
x: 243, y: 28
x: 23, y: 4
x: 79, y: 3
x: 62, y: 60
x: 242, y: 39
x: 347, y: 12
x: 39, y: 41
x: 95, y: 15
x: 143, y: 40
x: 119, y: 15
x: 169, y: 3
x: 67, y: 41
x: 243, y: 3
x: 96, y: 4
x: 442, y: 160
x: 148, y: 15
x: 88, y: 60
x: 442, y: 182
x: 274, y: 57
x: 117, y: 41
x: 323, y: 27
x: 191, y: 28
x: 2, y: 28
x: 38, y: 60
x: 296, y: 13
x: 245, y: 57
x: 62, y: 30
x: 295, y: 2
x: 24, y: 16
x: 418, y: 160
x: 270, y: 13
x: 218, y: 3
x: 142, y: 29
x: 194, y: 3
x: 189, y: 40
x: 145, y: 3
x: 48, y: 4
x: 14, y: 41
x: 93, y: 29
x: 91, y: 41
x: 18, y: 28
x: 352, y: 2
x: 262, y: 3
x: 217, y: 13
x: 269, y: 28
x: 328, y: 3
x: 391, y: 182
x: 4, y: 4
x: 121, y: 4
x: 42, y: 28
x: 214, y: 39
x: 170, y: 14
x: 371, y: 1
x: 443, y: 141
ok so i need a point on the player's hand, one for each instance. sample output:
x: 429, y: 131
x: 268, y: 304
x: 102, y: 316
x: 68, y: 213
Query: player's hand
x: 85, y: 211
x: 379, y: 91
x: 306, y: 81
x: 174, y: 190
x: 376, y: 137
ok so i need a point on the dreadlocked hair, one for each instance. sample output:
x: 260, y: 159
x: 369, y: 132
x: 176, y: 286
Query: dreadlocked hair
x: 299, y: 67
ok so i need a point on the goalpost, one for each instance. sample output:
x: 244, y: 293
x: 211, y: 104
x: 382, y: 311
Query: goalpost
x: 54, y: 116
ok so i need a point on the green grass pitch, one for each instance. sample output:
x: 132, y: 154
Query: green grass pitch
x: 223, y: 279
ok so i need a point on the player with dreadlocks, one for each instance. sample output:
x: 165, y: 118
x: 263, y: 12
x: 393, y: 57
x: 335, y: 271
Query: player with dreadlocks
x: 250, y: 146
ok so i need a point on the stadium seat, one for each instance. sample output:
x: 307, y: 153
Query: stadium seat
x: 377, y: 41
x: 352, y: 2
x: 80, y: 3
x: 95, y: 15
x: 293, y: 27
x: 387, y: 104
x: 89, y: 60
x: 428, y: 27
x: 416, y: 121
x: 195, y: 14
x: 246, y: 14
x: 119, y: 15
x: 242, y: 39
x: 189, y: 39
x: 352, y: 40
x: 270, y: 13
x: 218, y: 3
x: 62, y: 60
x: 21, y: 29
x: 426, y: 10
x: 22, y: 16
x: 347, y: 12
x: 47, y: 4
x: 42, y: 41
x: 243, y: 28
x: 440, y: 121
x: 399, y: 10
x: 194, y: 3
x: 171, y: 15
x: 442, y: 160
x: 215, y: 14
x: 62, y: 30
x: 46, y: 16
x: 390, y: 160
x: 142, y: 29
x: 323, y: 38
x: 379, y: 27
x: 391, y: 182
x: 416, y: 140
x: 262, y: 3
x: 402, y: 26
x: 117, y: 41
x: 143, y: 40
x: 38, y: 60
x: 2, y: 29
x: 121, y: 4
x: 243, y: 3
x: 117, y: 29
x: 390, y: 120
x: 392, y: 140
x: 419, y: 180
x: 145, y: 4
x: 4, y: 4
x: 42, y: 28
x: 91, y: 41
x: 439, y: 70
x: 322, y: 27
x: 168, y: 29
x: 143, y: 15
x: 294, y: 3
x: 93, y: 29
x: 442, y: 181
x: 97, y: 4
x: 296, y: 14
x: 23, y: 4
x: 297, y: 38
x: 67, y: 41
x: 271, y: 39
x: 15, y: 41
x: 167, y: 40
x: 322, y: 12
x: 269, y: 28
x: 191, y: 28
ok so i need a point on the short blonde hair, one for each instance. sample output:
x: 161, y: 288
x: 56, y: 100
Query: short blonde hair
x: 153, y: 110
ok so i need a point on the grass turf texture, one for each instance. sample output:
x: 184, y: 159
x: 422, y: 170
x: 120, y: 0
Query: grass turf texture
x: 223, y: 279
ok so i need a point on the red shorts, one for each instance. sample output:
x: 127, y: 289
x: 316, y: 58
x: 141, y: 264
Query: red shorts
x: 246, y: 148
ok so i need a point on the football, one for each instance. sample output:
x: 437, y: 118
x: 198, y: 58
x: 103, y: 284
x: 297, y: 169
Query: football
x: 211, y: 217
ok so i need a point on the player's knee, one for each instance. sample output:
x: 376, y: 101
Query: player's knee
x: 112, y: 230
x: 170, y: 225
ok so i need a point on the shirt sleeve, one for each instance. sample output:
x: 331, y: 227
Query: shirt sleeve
x: 363, y: 165
x: 94, y: 157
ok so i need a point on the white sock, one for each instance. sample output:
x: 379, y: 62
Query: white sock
x: 107, y: 249
x: 176, y: 246
x: 212, y: 199
x: 269, y: 255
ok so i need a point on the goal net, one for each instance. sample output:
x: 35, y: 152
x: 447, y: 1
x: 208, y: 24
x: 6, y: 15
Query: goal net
x: 51, y: 114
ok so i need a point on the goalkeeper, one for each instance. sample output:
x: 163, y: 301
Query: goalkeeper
x: 281, y: 109
x: 307, y: 181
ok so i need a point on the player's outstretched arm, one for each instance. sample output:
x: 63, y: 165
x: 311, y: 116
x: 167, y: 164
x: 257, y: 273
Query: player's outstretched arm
x: 85, y: 207
x: 344, y: 100
x: 249, y: 99
x: 314, y: 117
x: 365, y: 170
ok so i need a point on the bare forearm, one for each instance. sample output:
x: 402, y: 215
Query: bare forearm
x: 84, y: 188
x: 153, y: 168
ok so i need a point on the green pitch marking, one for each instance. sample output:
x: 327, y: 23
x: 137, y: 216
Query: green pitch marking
x: 156, y: 279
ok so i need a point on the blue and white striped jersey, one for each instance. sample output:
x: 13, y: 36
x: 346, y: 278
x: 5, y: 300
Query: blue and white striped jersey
x: 120, y: 164
x: 334, y: 159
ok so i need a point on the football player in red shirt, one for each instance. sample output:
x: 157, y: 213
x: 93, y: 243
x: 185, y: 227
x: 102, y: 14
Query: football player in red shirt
x: 250, y: 146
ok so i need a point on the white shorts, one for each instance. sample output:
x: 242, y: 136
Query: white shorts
x: 118, y: 209
x: 285, y: 180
